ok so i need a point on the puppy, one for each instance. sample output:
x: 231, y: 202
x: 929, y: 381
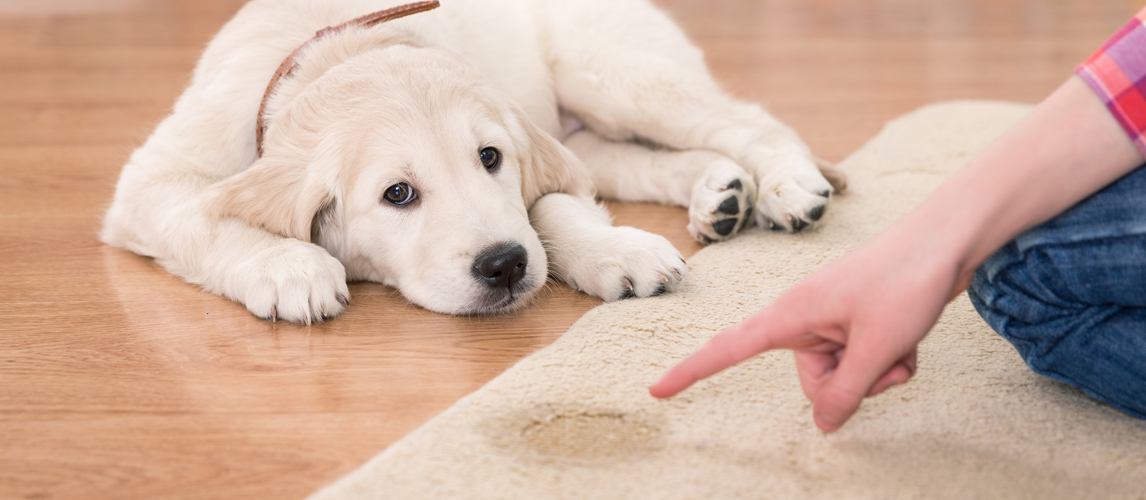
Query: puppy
x: 424, y: 153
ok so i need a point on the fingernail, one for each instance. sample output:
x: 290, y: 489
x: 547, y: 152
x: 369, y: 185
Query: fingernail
x: 827, y: 422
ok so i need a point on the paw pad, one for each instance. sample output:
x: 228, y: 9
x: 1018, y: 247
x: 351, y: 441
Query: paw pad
x: 718, y: 214
x: 730, y: 206
x: 725, y: 227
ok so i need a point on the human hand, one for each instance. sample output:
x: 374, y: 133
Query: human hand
x: 853, y: 326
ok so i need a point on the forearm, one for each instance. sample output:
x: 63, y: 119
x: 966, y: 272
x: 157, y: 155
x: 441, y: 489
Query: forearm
x: 1067, y: 148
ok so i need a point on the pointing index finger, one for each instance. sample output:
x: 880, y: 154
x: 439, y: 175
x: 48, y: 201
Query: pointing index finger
x: 738, y: 343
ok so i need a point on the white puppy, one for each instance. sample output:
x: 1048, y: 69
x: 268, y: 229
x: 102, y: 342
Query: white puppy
x: 422, y: 153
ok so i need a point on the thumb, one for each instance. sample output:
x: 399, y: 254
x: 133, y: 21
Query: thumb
x: 839, y: 398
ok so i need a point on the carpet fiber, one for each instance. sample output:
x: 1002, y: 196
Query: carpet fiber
x: 575, y: 420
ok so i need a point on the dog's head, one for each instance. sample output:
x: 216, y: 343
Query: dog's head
x: 412, y: 170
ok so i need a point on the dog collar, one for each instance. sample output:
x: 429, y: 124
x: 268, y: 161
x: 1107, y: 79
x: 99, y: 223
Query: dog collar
x: 290, y: 62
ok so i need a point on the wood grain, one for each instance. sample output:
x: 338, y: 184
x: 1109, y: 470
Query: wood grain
x: 117, y: 380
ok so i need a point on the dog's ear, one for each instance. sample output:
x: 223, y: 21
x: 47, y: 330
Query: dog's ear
x: 273, y: 193
x: 547, y: 166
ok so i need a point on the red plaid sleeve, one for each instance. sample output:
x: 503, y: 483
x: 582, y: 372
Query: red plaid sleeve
x: 1117, y: 73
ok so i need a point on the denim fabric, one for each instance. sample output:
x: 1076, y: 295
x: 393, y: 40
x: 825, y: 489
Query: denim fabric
x: 1070, y: 295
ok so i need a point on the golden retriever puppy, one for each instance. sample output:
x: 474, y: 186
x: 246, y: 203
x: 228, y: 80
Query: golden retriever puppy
x: 425, y: 153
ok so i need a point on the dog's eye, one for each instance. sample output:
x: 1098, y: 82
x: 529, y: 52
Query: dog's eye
x: 400, y: 194
x: 490, y: 159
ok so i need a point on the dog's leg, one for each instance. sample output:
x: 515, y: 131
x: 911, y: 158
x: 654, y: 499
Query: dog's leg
x: 608, y: 262
x: 638, y: 78
x: 274, y: 277
x: 719, y: 194
x: 156, y: 213
x: 687, y: 115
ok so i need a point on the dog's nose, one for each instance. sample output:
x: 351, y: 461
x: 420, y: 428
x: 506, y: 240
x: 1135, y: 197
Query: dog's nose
x: 501, y: 265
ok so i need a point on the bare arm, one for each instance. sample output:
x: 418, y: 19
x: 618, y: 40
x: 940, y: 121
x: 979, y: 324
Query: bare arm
x: 854, y: 325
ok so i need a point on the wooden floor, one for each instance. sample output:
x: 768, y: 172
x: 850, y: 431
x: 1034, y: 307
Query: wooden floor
x: 117, y: 380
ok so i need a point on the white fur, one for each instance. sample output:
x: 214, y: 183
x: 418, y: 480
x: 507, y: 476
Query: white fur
x: 413, y: 101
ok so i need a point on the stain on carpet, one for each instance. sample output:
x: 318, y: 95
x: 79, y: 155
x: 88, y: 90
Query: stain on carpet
x: 579, y: 434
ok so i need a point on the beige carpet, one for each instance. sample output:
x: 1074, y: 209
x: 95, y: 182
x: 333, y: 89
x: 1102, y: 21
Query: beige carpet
x: 575, y: 421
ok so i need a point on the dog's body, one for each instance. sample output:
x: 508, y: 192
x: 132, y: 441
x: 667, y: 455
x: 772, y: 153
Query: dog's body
x: 421, y: 153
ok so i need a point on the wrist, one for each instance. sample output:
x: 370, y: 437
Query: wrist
x: 943, y: 237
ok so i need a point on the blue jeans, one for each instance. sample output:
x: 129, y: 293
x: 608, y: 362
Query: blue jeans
x: 1070, y: 295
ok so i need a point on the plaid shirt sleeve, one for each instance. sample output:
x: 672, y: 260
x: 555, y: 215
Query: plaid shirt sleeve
x: 1117, y: 73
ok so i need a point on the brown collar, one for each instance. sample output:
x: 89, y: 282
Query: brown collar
x: 289, y: 63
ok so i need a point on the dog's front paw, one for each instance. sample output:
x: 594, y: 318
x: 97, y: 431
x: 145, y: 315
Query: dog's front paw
x: 792, y: 195
x: 625, y: 263
x: 722, y: 202
x: 291, y: 280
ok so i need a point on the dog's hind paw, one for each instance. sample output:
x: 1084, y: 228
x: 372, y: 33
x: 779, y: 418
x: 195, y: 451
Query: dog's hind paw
x: 722, y: 202
x: 291, y: 281
x: 792, y: 196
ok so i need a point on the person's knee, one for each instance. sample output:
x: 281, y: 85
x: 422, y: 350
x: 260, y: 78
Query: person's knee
x: 1016, y: 291
x: 1096, y: 348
